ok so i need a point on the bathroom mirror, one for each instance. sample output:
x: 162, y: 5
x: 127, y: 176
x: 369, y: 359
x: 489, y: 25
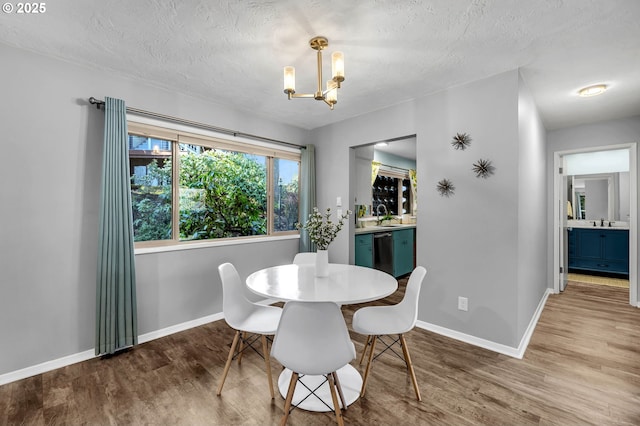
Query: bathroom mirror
x: 600, y: 196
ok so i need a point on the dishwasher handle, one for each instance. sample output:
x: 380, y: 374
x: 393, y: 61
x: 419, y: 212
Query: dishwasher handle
x: 383, y: 235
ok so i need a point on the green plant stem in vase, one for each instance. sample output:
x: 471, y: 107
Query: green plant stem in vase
x: 322, y: 231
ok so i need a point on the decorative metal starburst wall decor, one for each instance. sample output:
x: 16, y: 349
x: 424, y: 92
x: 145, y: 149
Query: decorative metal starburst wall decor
x: 483, y: 168
x: 461, y: 141
x: 445, y: 188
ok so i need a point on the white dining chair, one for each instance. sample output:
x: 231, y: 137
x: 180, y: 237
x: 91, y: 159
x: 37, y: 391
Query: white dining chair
x: 304, y: 259
x: 380, y: 321
x: 312, y: 339
x: 250, y: 321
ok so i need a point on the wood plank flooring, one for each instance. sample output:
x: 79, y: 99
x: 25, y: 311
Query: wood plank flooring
x: 582, y: 367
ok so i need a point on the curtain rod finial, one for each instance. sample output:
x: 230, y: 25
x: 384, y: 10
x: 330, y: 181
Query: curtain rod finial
x: 95, y: 102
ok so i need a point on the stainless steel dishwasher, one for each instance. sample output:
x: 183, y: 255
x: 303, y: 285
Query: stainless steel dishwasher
x: 383, y: 251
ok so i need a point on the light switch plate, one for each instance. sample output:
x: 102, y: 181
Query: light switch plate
x: 463, y: 304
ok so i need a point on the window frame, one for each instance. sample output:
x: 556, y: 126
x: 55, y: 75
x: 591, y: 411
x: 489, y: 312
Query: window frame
x: 209, y: 140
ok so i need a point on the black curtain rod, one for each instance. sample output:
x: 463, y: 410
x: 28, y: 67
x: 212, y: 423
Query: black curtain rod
x: 98, y: 103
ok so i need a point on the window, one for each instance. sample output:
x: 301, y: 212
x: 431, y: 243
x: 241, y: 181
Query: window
x: 187, y: 187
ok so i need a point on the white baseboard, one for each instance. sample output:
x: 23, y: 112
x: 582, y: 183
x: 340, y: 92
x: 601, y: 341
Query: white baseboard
x: 88, y: 354
x: 46, y: 366
x: 488, y: 344
x: 143, y: 338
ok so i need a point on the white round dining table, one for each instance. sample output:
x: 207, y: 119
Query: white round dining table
x: 344, y: 285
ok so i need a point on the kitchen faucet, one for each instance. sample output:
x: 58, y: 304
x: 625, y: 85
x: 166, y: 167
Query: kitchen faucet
x: 378, y: 211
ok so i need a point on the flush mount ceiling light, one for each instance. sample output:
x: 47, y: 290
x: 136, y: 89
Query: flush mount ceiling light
x: 330, y: 94
x: 596, y: 89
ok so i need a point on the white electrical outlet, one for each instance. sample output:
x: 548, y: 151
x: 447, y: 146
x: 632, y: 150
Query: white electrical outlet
x: 463, y: 303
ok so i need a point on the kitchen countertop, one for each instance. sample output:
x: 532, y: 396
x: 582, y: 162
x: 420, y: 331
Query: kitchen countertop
x: 384, y: 228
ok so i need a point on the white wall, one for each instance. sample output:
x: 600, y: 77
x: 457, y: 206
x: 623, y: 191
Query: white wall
x: 49, y: 187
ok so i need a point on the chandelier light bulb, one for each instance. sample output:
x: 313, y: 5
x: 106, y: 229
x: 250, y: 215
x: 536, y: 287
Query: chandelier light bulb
x: 332, y: 92
x: 289, y: 80
x: 337, y: 67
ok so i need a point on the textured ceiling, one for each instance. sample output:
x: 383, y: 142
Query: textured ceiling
x: 233, y: 51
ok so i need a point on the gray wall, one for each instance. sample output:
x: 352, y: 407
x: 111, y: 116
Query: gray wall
x: 532, y: 207
x: 470, y: 242
x: 49, y: 187
x: 611, y: 132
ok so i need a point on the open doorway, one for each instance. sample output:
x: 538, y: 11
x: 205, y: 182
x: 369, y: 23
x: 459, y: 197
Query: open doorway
x: 610, y: 215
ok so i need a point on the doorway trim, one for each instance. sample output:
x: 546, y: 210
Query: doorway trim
x: 633, y: 215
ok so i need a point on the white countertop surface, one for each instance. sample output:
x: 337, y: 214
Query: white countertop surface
x: 384, y: 228
x: 588, y: 224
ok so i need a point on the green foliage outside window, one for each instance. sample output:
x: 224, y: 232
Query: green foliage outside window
x: 222, y: 194
x: 151, y: 203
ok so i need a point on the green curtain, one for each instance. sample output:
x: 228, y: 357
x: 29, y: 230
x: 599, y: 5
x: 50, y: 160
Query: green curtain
x: 116, y: 313
x: 413, y: 177
x: 375, y: 167
x: 307, y: 193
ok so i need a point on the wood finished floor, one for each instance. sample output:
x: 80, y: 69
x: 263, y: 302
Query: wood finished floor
x: 582, y: 367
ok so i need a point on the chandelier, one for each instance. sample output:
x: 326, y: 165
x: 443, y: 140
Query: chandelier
x: 330, y: 94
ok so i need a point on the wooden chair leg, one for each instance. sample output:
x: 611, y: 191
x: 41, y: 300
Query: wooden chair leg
x: 334, y: 397
x: 241, y: 348
x: 267, y: 363
x: 366, y: 371
x: 364, y: 350
x: 407, y: 358
x: 340, y: 393
x: 228, y: 364
x: 287, y: 402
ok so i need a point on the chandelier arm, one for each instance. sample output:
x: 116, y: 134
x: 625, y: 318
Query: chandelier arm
x: 328, y: 103
x: 302, y: 95
x: 319, y: 94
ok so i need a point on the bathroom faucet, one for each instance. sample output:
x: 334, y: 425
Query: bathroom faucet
x: 601, y: 221
x: 378, y: 211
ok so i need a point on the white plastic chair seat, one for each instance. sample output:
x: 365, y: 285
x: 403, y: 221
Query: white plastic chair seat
x: 381, y: 320
x: 261, y: 320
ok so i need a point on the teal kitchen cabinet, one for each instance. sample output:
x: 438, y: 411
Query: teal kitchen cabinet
x: 403, y: 252
x: 364, y: 250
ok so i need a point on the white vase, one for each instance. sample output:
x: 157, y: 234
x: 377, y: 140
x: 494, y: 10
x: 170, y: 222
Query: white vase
x: 322, y: 263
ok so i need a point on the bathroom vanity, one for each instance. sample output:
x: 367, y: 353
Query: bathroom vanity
x: 599, y: 249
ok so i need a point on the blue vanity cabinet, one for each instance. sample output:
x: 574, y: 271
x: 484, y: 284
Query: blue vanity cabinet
x: 598, y: 249
x: 364, y: 250
x: 402, y: 252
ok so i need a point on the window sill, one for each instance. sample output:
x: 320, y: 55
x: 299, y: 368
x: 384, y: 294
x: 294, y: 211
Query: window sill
x: 212, y: 243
